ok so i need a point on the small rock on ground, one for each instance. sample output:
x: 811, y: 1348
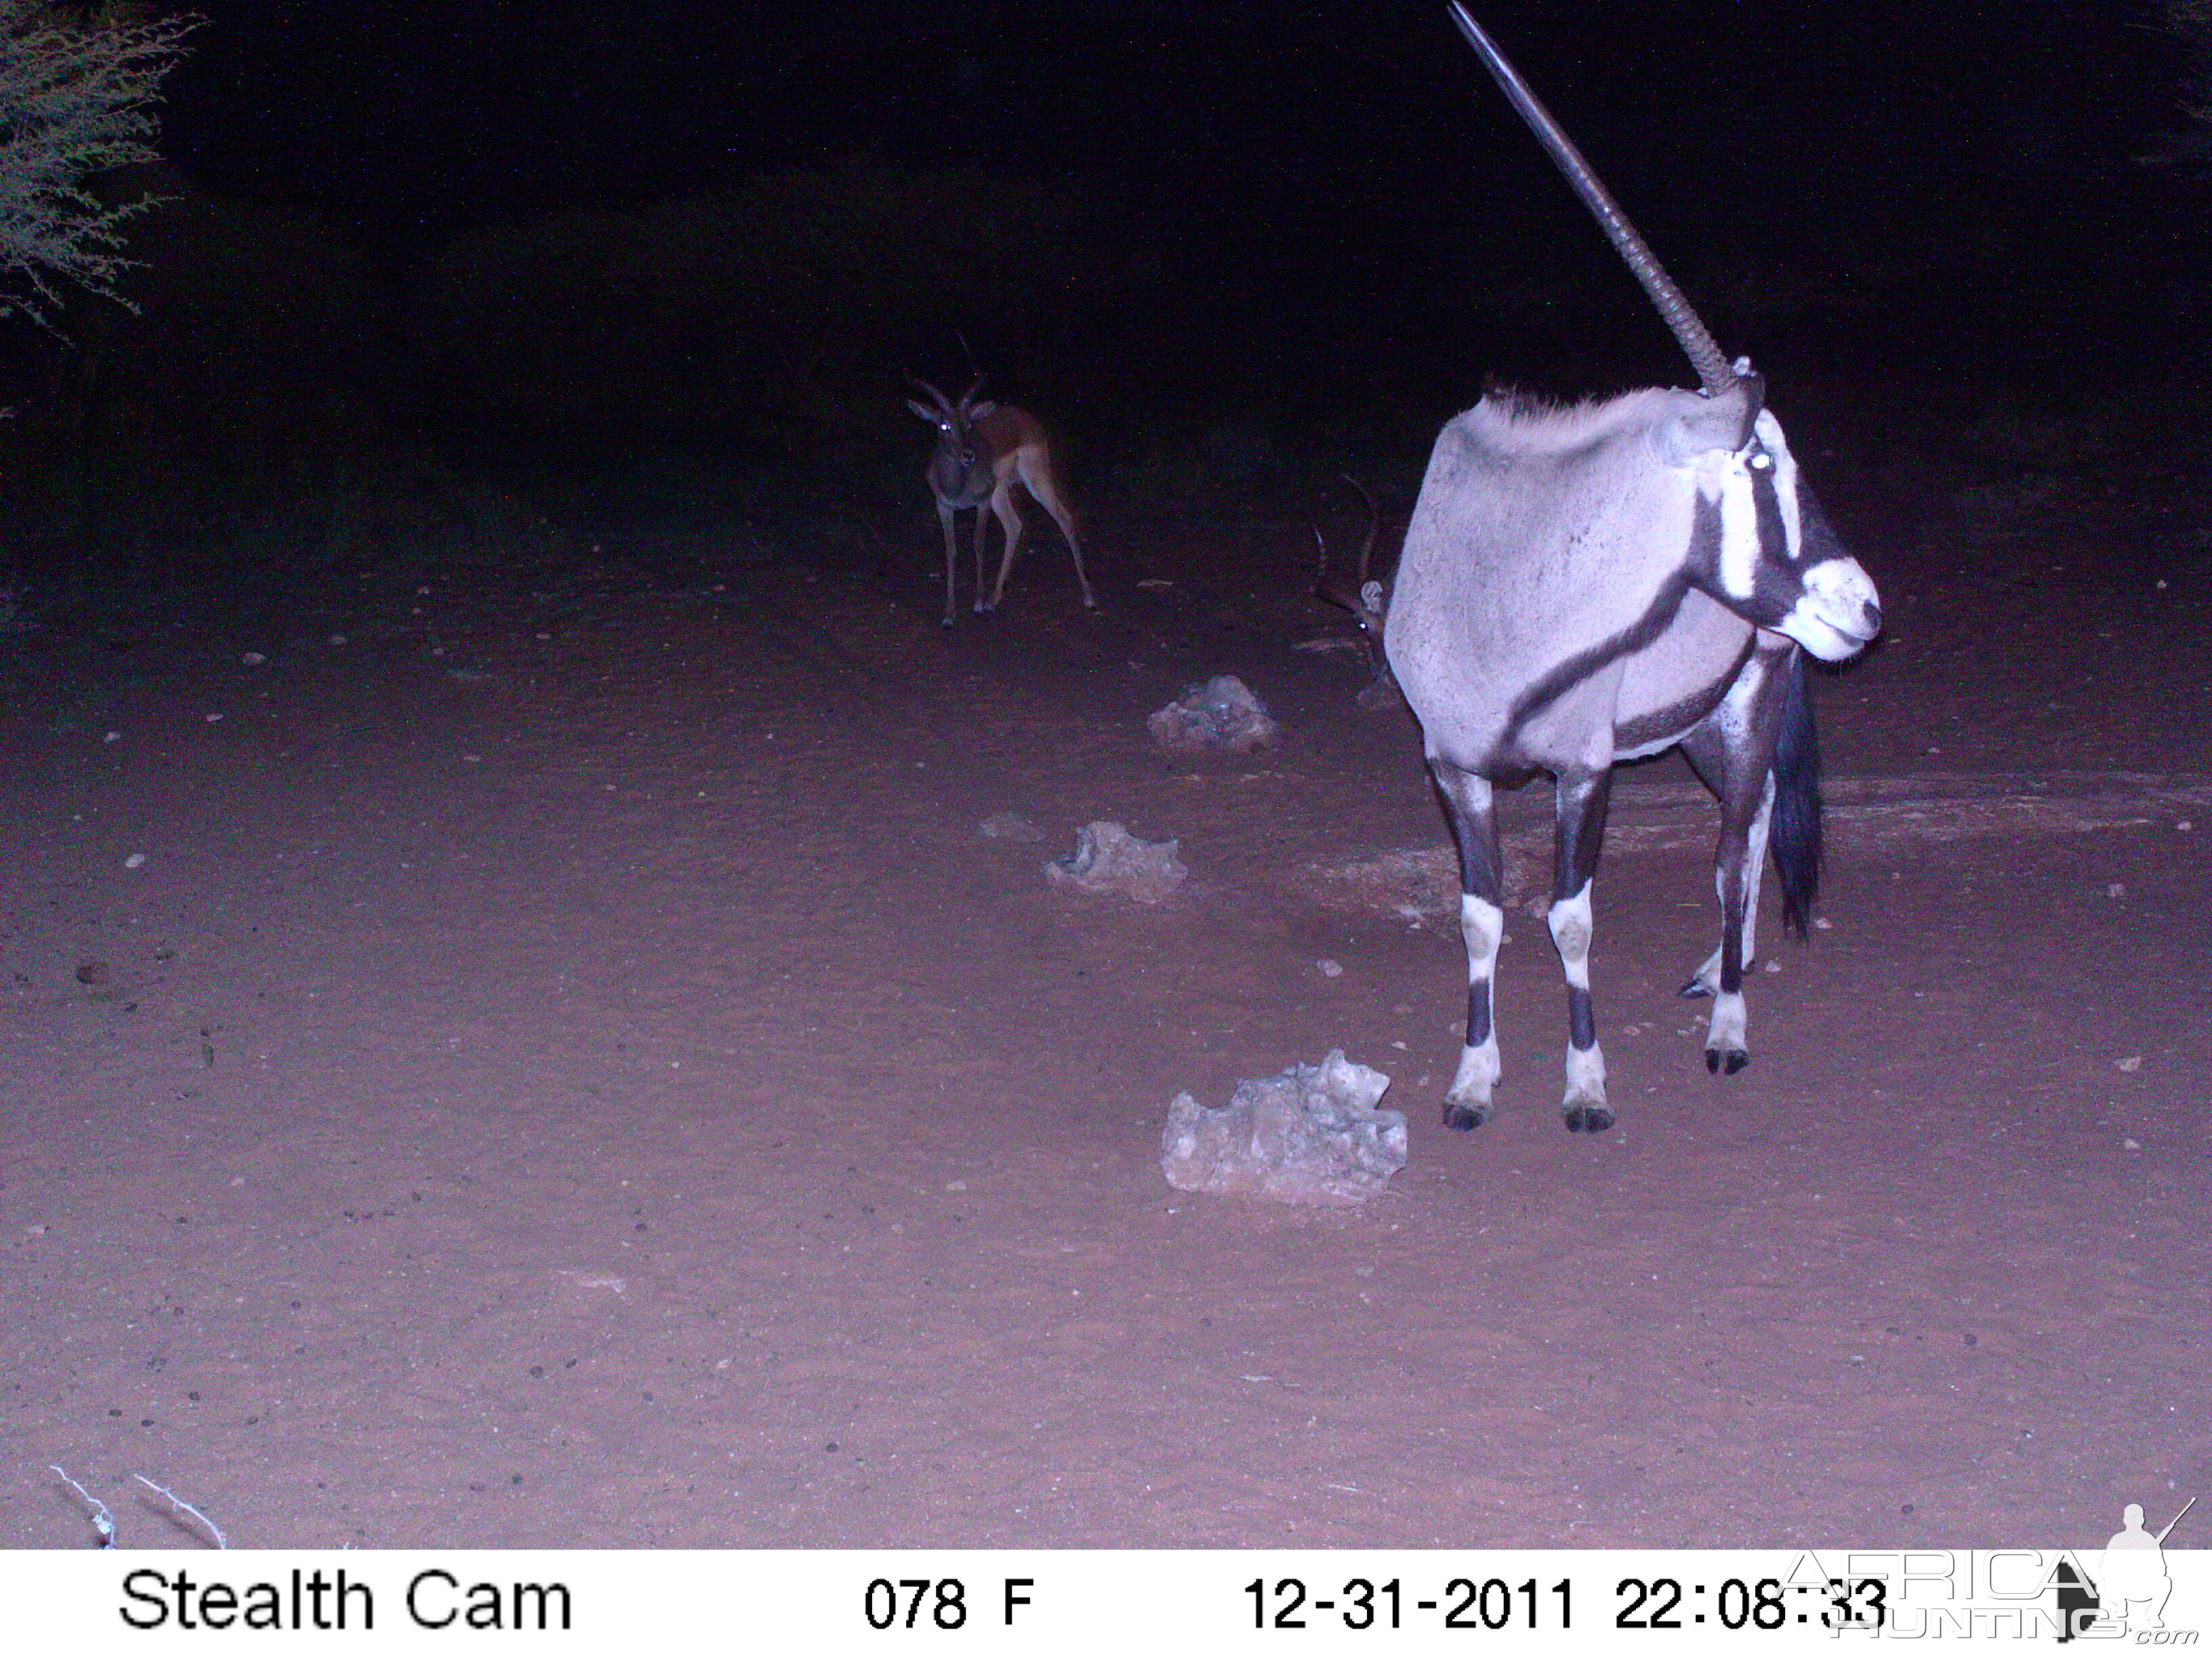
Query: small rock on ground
x: 1109, y: 860
x: 1008, y: 826
x: 1219, y: 717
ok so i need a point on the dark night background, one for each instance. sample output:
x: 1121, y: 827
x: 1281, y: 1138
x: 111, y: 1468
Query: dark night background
x: 671, y: 262
x: 536, y: 1013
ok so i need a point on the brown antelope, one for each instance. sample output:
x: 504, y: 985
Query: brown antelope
x: 981, y: 450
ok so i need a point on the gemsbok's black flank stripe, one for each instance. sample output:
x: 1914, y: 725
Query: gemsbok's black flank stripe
x: 1579, y: 667
x: 1680, y: 716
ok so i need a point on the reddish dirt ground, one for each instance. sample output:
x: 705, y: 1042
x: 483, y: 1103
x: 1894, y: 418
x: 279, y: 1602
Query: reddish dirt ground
x: 595, y: 1086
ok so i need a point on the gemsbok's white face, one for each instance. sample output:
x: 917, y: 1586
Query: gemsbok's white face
x: 1763, y: 548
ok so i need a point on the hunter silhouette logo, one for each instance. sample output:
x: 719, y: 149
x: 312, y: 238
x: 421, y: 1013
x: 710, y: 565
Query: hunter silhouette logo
x: 2131, y: 1585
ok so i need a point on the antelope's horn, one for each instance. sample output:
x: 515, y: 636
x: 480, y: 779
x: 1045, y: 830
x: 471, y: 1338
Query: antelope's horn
x: 936, y: 397
x: 1374, y: 524
x: 1353, y: 600
x: 1714, y: 369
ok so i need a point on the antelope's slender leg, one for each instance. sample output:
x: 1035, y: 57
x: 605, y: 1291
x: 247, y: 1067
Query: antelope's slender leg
x: 1041, y: 486
x: 1466, y: 800
x: 1733, y: 752
x: 982, y: 526
x: 952, y: 553
x: 1737, y: 866
x: 1578, y: 836
x: 1751, y: 861
x: 1010, y: 520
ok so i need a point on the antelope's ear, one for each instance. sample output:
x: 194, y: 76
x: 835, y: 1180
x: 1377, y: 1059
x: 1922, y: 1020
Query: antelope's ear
x: 1695, y: 425
x: 926, y: 413
x: 984, y: 407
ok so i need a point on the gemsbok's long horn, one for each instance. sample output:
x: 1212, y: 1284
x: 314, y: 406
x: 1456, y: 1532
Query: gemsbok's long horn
x: 1712, y: 365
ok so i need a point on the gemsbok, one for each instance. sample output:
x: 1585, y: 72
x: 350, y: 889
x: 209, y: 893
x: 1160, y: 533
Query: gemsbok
x: 983, y: 451
x: 1588, y: 585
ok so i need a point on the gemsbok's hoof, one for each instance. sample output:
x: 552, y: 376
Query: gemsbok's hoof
x: 947, y: 622
x: 1463, y: 1118
x: 1588, y: 1120
x: 1731, y: 1061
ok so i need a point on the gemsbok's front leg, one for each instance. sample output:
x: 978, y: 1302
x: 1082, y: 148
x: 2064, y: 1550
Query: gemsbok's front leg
x: 1738, y: 863
x: 1578, y: 835
x: 1756, y: 752
x: 1466, y: 800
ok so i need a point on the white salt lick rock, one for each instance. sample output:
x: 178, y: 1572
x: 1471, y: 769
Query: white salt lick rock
x: 1312, y: 1135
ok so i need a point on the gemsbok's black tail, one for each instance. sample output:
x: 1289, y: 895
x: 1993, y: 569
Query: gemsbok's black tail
x: 1795, y: 833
